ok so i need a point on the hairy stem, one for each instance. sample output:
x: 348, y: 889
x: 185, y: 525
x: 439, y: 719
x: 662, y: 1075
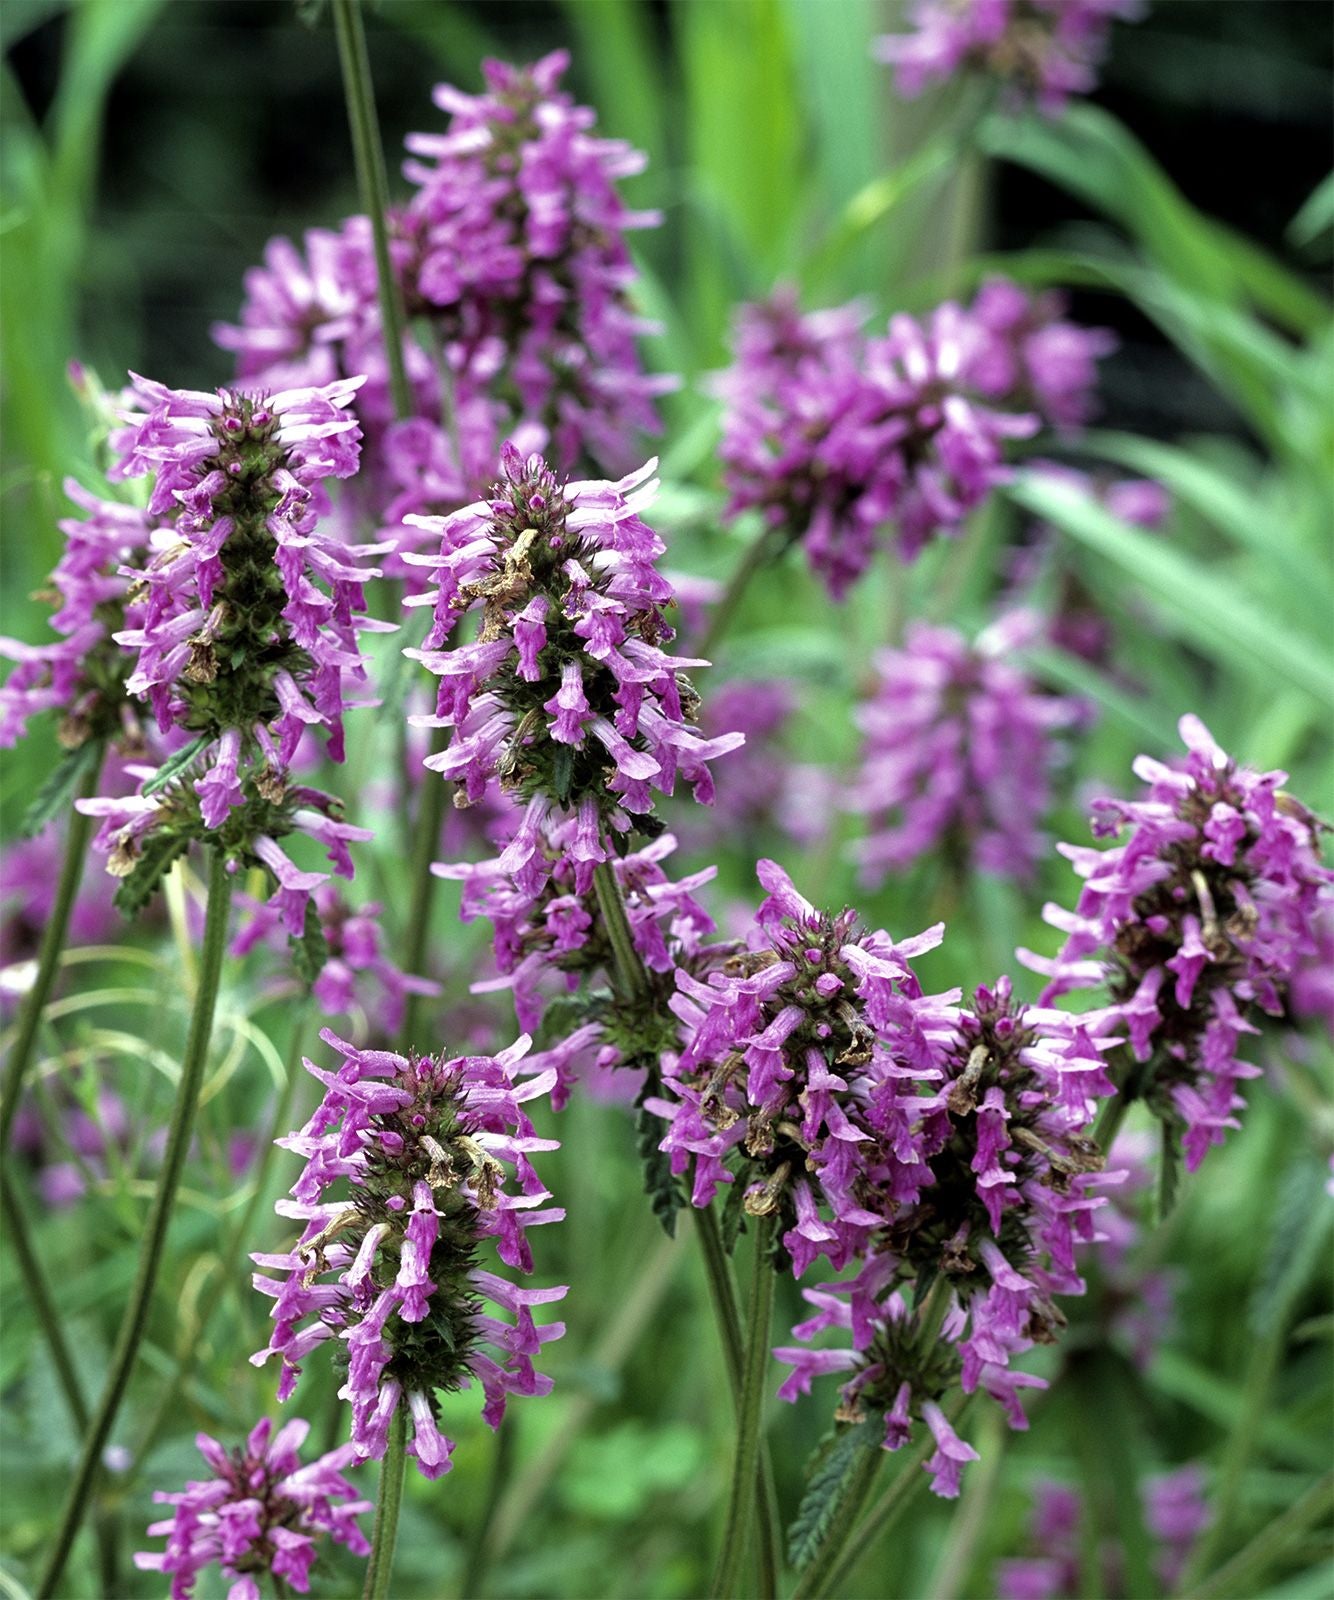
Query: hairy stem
x: 722, y: 1294
x: 179, y: 1133
x: 384, y: 1536
x: 750, y: 1414
x: 425, y: 843
x: 628, y: 973
x: 48, y: 959
x: 374, y: 188
x: 43, y: 1304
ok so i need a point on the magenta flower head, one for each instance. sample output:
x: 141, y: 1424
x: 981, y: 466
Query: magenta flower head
x: 567, y: 699
x: 81, y: 674
x: 421, y: 1150
x: 1202, y: 917
x: 1041, y: 50
x: 259, y: 1516
x: 833, y: 437
x: 1028, y: 356
x: 802, y: 1059
x: 959, y: 749
x: 961, y: 1276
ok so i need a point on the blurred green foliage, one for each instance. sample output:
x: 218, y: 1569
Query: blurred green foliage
x: 777, y: 151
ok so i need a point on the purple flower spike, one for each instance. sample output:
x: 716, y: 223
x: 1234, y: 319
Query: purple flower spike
x: 258, y: 1516
x: 567, y: 699
x: 962, y: 1274
x: 958, y: 753
x: 82, y: 673
x: 834, y: 437
x: 423, y: 1149
x: 802, y: 1060
x: 1029, y: 357
x: 1201, y: 918
x: 1043, y: 50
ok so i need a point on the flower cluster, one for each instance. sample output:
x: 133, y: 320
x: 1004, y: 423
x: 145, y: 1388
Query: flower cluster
x: 1205, y: 912
x: 1175, y: 1514
x: 833, y: 436
x: 958, y: 753
x: 1028, y: 355
x: 512, y: 251
x: 963, y: 1271
x: 1043, y: 50
x: 802, y: 1057
x: 566, y: 699
x: 391, y: 1269
x: 258, y: 1516
x: 82, y: 673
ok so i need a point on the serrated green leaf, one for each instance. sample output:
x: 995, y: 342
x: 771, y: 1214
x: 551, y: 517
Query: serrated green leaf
x: 154, y: 862
x: 1169, y: 1169
x: 65, y: 778
x: 831, y: 1472
x: 661, y: 1184
x: 173, y: 766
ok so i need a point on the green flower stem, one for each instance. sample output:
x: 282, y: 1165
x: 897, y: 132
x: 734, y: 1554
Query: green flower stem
x: 179, y: 1134
x: 39, y: 1293
x: 722, y: 1294
x: 374, y: 187
x: 384, y: 1536
x: 226, y: 1277
x: 764, y: 549
x: 48, y: 960
x: 1239, y: 1576
x: 629, y: 976
x: 422, y: 881
x: 750, y: 1412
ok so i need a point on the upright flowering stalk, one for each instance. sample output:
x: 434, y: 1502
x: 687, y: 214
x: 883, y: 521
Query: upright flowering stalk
x: 801, y: 1066
x: 832, y: 437
x: 259, y: 1516
x: 959, y: 748
x: 1200, y: 919
x: 512, y: 253
x: 962, y: 1272
x: 419, y: 1148
x: 1040, y: 50
x: 567, y: 698
x: 244, y: 632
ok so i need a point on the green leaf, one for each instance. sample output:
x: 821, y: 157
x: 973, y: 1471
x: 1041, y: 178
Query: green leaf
x: 65, y: 778
x: 1219, y: 618
x: 734, y: 1215
x: 661, y: 1184
x: 1169, y: 1168
x: 1298, y: 1238
x: 173, y: 766
x: 155, y: 861
x: 831, y: 1472
x: 1316, y: 217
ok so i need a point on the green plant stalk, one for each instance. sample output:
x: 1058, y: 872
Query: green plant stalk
x: 722, y: 1295
x: 374, y: 187
x: 179, y: 1133
x: 227, y: 1266
x: 425, y: 843
x: 750, y: 1415
x: 631, y: 980
x: 48, y: 959
x: 1254, y: 1558
x: 384, y: 1535
x: 764, y: 549
x: 44, y: 1308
